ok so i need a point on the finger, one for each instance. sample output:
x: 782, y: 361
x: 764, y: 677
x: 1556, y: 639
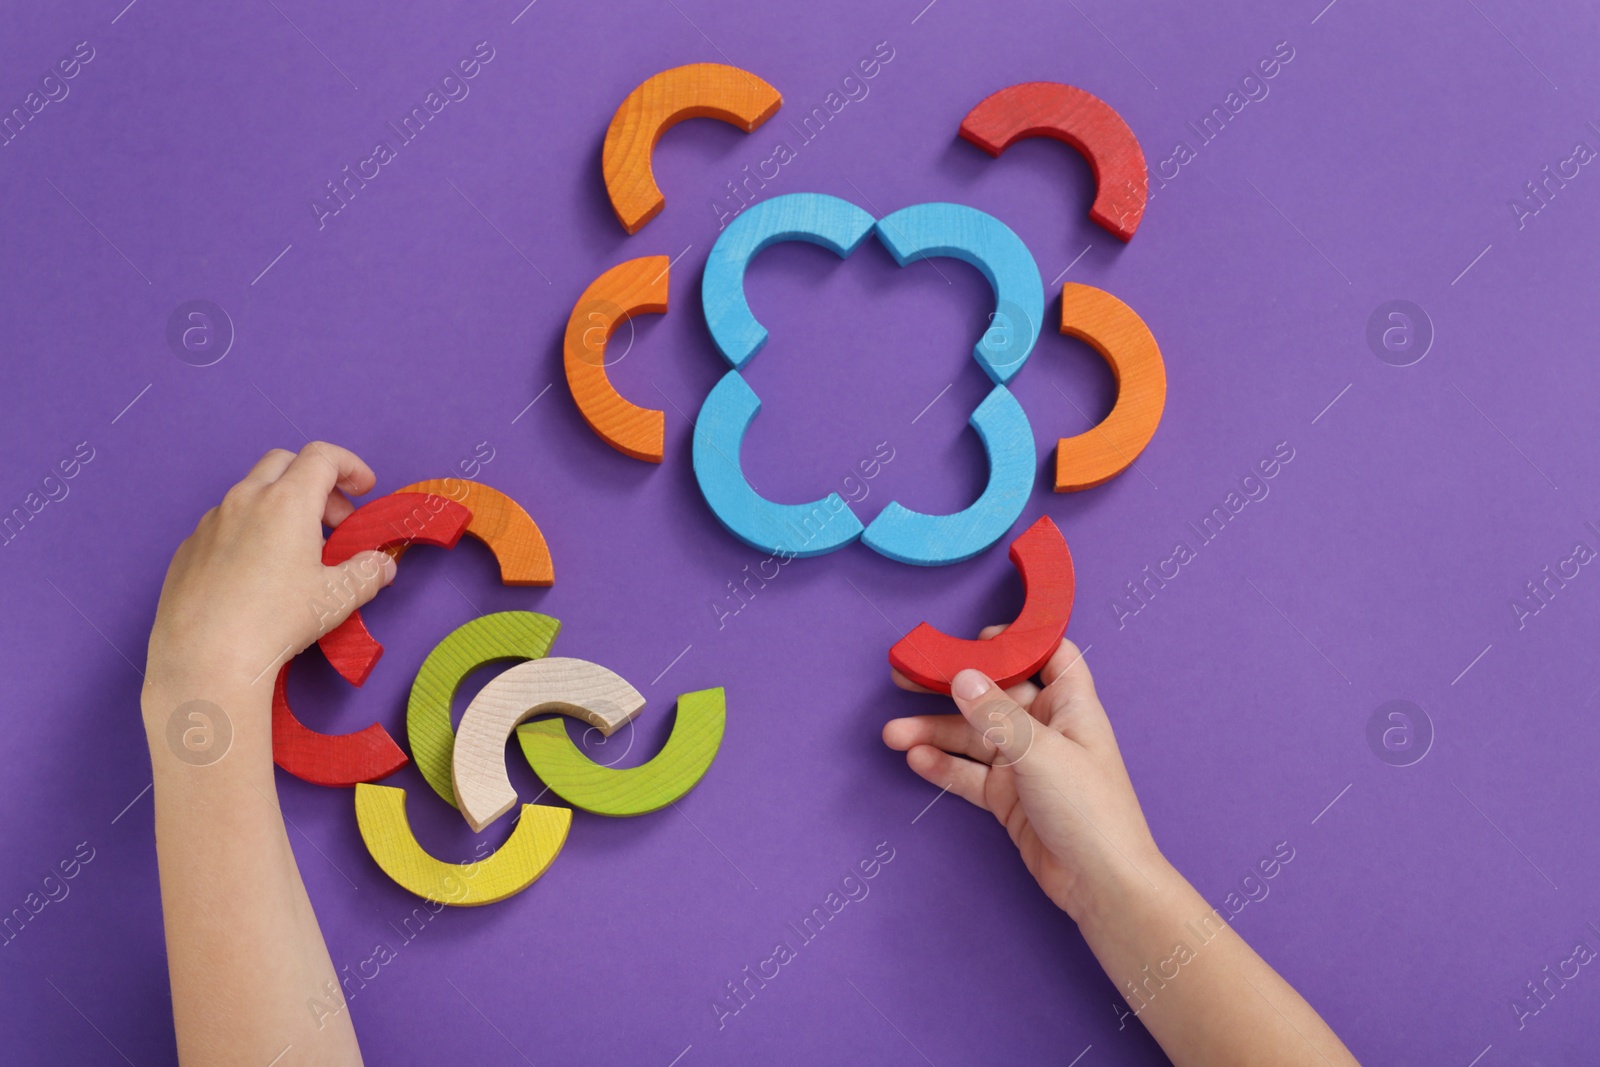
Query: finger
x: 320, y: 468
x: 949, y: 732
x: 906, y: 683
x: 1069, y: 703
x: 349, y: 585
x: 337, y: 509
x: 998, y: 719
x: 270, y: 467
x: 962, y: 777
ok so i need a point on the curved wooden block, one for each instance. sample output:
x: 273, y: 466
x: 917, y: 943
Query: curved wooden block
x: 1116, y: 331
x: 923, y: 231
x: 514, y: 866
x: 934, y: 540
x: 638, y: 286
x: 1082, y: 120
x: 503, y: 635
x: 696, y: 91
x: 931, y: 657
x: 328, y: 759
x: 822, y: 220
x: 672, y: 772
x: 500, y: 523
x: 798, y: 530
x: 573, y: 687
x: 389, y: 521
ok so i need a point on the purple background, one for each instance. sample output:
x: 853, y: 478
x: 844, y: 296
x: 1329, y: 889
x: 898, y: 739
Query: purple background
x: 416, y: 324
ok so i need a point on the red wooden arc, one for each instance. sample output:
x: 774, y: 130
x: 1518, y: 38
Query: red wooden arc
x: 396, y: 519
x: 1082, y: 120
x: 931, y: 657
x: 366, y: 755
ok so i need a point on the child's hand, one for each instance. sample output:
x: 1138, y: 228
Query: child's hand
x: 247, y: 590
x: 1045, y: 763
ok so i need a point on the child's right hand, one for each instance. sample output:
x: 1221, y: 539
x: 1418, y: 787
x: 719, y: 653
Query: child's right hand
x: 1045, y: 763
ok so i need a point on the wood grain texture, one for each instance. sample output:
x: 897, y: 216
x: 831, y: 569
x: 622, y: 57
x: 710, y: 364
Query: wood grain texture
x: 1082, y: 120
x: 825, y: 221
x: 925, y: 231
x: 575, y: 687
x: 533, y: 845
x: 794, y: 530
x: 931, y: 658
x: 636, y: 287
x: 503, y: 635
x: 1116, y: 331
x: 500, y: 523
x: 328, y: 759
x: 672, y: 772
x: 695, y: 91
x: 387, y: 522
x: 934, y: 540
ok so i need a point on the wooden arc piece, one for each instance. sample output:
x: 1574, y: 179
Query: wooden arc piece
x: 328, y: 759
x: 931, y: 658
x: 575, y: 687
x: 503, y: 635
x: 672, y: 772
x: 695, y: 91
x: 638, y: 286
x: 1082, y: 120
x: 500, y: 523
x: 1116, y: 331
x: 514, y: 866
x: 396, y: 519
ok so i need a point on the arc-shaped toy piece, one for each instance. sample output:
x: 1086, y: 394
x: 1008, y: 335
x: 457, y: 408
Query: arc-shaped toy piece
x: 934, y: 540
x: 500, y: 523
x: 503, y: 635
x: 328, y: 759
x: 514, y: 866
x: 923, y: 231
x: 387, y: 522
x: 1082, y: 120
x: 575, y: 687
x: 672, y: 772
x: 695, y: 91
x: 822, y: 220
x: 1116, y: 331
x: 795, y: 530
x: 636, y: 287
x: 931, y: 657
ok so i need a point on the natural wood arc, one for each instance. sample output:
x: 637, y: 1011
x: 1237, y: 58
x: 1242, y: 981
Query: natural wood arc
x: 396, y: 519
x: 328, y: 759
x: 695, y: 91
x: 533, y: 845
x: 636, y: 287
x: 575, y: 687
x: 1116, y: 331
x: 931, y: 658
x: 1082, y: 120
x: 677, y: 768
x: 500, y: 523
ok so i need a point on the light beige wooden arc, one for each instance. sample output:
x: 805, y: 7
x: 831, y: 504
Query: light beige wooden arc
x: 575, y: 687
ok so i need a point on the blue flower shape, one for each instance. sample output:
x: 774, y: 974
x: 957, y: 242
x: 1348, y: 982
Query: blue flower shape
x: 918, y: 232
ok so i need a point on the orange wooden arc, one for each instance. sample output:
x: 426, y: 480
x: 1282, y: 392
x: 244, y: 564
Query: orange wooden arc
x: 1116, y: 331
x: 695, y: 91
x: 328, y: 759
x: 636, y: 287
x: 1082, y: 120
x: 500, y: 523
x: 931, y: 658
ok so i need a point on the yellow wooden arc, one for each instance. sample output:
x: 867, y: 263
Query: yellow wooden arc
x: 517, y: 864
x: 681, y: 763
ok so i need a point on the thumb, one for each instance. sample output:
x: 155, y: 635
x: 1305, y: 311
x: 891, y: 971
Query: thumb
x: 1004, y: 725
x: 349, y: 585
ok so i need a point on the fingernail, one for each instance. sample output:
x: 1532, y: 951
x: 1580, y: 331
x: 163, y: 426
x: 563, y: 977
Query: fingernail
x: 969, y: 685
x: 389, y: 569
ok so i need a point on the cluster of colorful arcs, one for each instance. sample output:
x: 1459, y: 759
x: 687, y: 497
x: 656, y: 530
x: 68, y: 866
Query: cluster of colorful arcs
x: 466, y: 765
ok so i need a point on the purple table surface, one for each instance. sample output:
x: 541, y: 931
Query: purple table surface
x: 1386, y: 159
